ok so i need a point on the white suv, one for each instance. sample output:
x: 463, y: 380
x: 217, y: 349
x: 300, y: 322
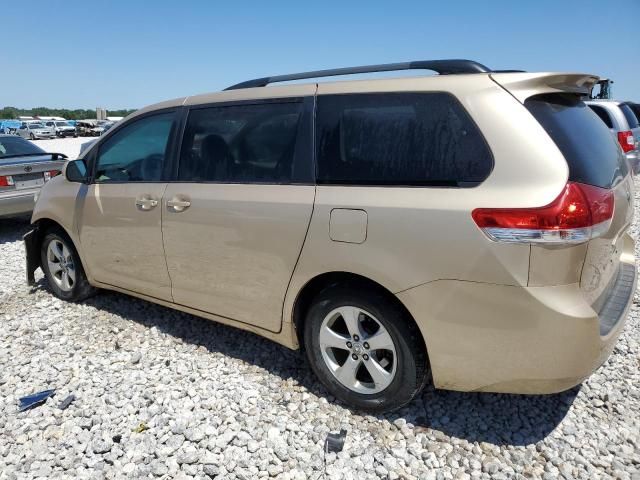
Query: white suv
x: 62, y: 128
x: 624, y: 126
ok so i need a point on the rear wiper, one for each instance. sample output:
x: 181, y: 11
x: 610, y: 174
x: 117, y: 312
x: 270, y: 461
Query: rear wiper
x: 54, y: 156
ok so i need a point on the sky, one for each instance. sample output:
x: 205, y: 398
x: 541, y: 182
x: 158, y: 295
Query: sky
x: 128, y: 54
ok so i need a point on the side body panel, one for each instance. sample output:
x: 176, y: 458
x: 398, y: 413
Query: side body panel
x: 420, y: 235
x: 122, y: 242
x: 232, y: 251
x: 57, y: 201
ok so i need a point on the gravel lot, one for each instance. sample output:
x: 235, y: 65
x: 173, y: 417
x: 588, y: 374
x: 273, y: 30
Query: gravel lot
x: 69, y: 146
x: 168, y: 395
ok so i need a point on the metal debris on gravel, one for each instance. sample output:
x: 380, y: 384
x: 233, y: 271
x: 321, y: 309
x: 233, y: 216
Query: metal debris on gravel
x: 220, y: 403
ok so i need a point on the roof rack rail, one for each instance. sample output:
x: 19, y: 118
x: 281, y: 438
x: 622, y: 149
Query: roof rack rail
x: 443, y: 67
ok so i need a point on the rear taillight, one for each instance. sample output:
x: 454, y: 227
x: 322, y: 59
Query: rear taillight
x: 580, y: 212
x: 50, y: 174
x: 6, y: 181
x: 626, y: 140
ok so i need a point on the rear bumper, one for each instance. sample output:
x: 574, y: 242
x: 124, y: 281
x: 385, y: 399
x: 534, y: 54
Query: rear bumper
x: 495, y: 338
x: 17, y: 203
x: 633, y: 158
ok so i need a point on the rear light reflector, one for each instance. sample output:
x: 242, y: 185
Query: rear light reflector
x: 6, y: 181
x: 626, y: 140
x: 579, y: 213
x: 50, y: 174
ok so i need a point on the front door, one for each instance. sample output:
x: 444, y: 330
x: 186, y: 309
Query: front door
x: 120, y: 220
x: 236, y: 219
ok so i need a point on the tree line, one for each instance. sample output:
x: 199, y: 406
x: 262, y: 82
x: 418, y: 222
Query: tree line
x: 77, y: 114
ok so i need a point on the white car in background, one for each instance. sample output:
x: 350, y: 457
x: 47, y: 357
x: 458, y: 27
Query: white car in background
x: 62, y: 128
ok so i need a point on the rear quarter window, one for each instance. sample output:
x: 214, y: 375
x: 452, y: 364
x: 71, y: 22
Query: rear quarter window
x: 403, y: 139
x: 587, y: 144
x: 629, y: 115
x: 603, y: 114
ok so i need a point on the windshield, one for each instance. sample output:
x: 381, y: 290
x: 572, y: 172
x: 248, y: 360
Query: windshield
x: 33, y: 126
x: 14, y: 145
x: 62, y: 124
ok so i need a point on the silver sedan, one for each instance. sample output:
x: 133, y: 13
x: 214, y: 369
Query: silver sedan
x: 35, y: 130
x: 24, y: 168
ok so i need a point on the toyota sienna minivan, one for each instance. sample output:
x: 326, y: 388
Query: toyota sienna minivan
x: 467, y: 229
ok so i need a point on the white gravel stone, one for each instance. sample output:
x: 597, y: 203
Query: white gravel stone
x: 216, y: 402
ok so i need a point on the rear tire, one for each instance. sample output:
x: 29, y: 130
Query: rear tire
x: 358, y: 372
x: 62, y: 267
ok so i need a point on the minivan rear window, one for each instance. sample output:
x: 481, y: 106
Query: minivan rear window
x: 587, y: 144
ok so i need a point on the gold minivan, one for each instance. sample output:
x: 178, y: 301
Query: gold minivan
x: 467, y: 228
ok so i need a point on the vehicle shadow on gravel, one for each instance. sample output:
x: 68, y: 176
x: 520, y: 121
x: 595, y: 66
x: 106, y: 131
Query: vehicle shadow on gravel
x: 499, y: 419
x: 12, y: 229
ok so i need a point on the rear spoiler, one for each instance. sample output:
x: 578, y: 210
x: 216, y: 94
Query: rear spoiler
x: 54, y: 156
x: 524, y: 85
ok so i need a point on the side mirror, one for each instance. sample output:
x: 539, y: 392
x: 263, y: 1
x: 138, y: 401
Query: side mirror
x: 76, y: 171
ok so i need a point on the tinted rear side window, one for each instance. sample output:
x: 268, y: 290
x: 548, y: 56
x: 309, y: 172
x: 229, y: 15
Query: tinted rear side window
x: 421, y: 139
x: 590, y: 150
x: 629, y: 115
x: 636, y: 109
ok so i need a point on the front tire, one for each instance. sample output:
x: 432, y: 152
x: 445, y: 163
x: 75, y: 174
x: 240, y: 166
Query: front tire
x: 364, y: 349
x: 62, y: 267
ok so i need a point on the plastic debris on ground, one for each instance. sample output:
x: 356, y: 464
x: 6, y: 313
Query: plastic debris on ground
x: 335, y: 441
x: 35, y: 399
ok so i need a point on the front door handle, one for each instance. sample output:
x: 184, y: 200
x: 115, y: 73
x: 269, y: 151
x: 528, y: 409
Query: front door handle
x: 178, y: 204
x: 145, y: 202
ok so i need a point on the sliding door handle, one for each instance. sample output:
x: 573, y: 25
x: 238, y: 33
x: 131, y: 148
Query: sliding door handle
x: 146, y: 203
x: 178, y: 205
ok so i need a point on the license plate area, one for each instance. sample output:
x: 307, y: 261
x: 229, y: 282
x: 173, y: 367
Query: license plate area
x: 29, y: 180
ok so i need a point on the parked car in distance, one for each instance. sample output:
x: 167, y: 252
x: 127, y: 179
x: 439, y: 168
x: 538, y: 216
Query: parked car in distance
x: 24, y: 168
x: 624, y: 126
x: 35, y: 130
x: 84, y: 128
x: 468, y: 229
x: 101, y: 128
x: 62, y: 128
x: 92, y: 128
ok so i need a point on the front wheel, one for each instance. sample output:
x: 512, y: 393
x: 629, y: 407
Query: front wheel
x: 62, y: 267
x: 364, y: 349
x: 32, y: 136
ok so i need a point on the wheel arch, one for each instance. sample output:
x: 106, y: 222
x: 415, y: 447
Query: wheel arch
x: 321, y: 281
x: 41, y: 226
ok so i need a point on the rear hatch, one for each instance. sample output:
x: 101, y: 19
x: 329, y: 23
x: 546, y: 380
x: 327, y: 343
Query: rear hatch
x: 594, y: 159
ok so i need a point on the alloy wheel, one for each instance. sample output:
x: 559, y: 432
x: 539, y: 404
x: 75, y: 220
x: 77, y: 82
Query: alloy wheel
x: 358, y: 350
x: 61, y: 266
